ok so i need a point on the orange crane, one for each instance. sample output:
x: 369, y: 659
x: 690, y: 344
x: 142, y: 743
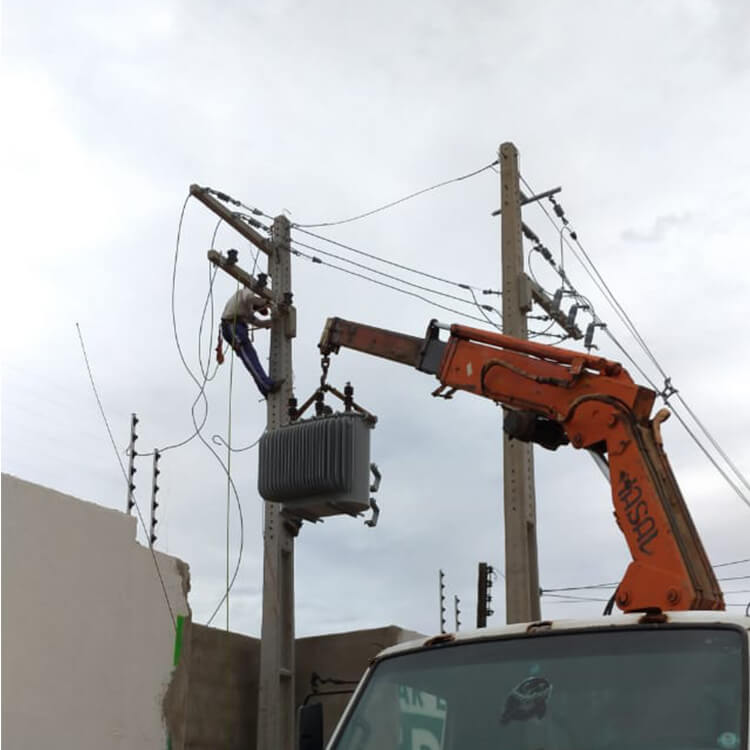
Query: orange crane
x: 554, y: 396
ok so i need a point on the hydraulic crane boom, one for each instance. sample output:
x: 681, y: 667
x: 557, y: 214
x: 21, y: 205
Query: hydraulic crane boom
x: 554, y: 396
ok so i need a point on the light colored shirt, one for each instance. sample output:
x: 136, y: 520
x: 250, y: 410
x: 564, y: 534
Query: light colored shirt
x: 242, y: 306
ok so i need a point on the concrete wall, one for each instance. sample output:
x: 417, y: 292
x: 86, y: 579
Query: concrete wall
x: 222, y: 700
x: 341, y: 656
x: 222, y: 679
x: 87, y: 640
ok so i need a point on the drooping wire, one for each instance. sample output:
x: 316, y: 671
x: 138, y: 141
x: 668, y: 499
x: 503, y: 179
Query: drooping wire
x: 198, y: 428
x: 229, y: 459
x: 212, y: 270
x: 125, y: 476
x: 219, y: 440
x: 399, y: 200
x: 395, y: 264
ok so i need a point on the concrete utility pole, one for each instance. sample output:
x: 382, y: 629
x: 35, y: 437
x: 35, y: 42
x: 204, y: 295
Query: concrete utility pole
x: 521, y: 565
x: 276, y: 682
x: 276, y: 717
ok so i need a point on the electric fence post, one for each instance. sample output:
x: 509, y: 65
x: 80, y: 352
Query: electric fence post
x: 131, y: 464
x: 521, y: 566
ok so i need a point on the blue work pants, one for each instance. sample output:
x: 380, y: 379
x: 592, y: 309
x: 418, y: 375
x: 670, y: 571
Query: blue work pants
x: 236, y: 334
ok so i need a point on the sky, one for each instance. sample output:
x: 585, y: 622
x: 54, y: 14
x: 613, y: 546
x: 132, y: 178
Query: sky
x: 323, y: 111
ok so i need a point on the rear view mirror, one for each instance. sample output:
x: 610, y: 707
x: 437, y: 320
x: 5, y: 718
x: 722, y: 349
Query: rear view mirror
x: 310, y: 727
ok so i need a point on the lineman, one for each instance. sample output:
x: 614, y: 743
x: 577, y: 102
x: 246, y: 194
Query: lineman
x: 239, y: 312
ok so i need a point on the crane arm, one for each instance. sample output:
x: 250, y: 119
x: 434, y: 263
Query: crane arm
x: 556, y: 396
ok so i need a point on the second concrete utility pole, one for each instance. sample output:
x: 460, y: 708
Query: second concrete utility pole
x: 521, y: 565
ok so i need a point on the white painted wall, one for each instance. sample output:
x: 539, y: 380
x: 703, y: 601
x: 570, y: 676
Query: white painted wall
x: 87, y: 640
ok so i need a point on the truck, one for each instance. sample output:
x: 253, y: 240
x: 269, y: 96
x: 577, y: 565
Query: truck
x: 670, y: 672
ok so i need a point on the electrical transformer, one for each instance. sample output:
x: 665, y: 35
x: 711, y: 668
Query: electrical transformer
x: 318, y: 467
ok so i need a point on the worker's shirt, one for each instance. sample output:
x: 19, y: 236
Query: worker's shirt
x: 242, y: 305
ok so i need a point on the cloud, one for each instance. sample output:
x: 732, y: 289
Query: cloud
x: 658, y: 229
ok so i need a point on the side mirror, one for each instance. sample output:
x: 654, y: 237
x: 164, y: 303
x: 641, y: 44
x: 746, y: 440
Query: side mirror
x: 310, y: 727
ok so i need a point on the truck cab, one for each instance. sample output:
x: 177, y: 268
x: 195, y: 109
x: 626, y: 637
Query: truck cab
x: 655, y: 681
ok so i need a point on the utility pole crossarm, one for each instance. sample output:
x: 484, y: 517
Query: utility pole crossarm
x: 240, y: 274
x: 234, y: 220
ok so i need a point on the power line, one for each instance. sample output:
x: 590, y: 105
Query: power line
x: 581, y: 588
x: 668, y: 389
x: 399, y: 200
x: 315, y: 259
x: 397, y: 278
x: 403, y: 267
x: 125, y: 476
x: 609, y: 584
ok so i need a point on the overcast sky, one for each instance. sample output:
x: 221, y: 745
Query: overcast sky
x: 325, y: 110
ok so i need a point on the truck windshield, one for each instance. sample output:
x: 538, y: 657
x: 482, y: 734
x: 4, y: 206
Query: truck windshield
x: 650, y: 689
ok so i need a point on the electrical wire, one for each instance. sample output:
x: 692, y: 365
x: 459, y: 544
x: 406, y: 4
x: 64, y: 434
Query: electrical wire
x: 403, y: 267
x: 315, y: 259
x: 198, y: 428
x: 212, y: 271
x: 219, y: 440
x: 484, y: 315
x: 668, y: 390
x: 610, y: 584
x: 607, y: 585
x: 125, y: 476
x: 630, y: 326
x: 400, y: 200
x: 396, y: 278
x: 229, y: 463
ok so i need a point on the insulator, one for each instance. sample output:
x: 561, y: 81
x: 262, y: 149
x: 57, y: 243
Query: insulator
x: 557, y: 299
x: 589, y: 338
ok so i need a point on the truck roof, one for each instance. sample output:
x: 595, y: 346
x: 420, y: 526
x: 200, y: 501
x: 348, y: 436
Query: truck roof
x: 545, y: 626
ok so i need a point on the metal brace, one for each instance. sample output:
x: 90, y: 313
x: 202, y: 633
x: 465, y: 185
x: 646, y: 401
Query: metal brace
x: 372, y: 521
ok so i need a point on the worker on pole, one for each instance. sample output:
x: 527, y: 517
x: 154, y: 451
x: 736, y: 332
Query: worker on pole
x: 239, y: 313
